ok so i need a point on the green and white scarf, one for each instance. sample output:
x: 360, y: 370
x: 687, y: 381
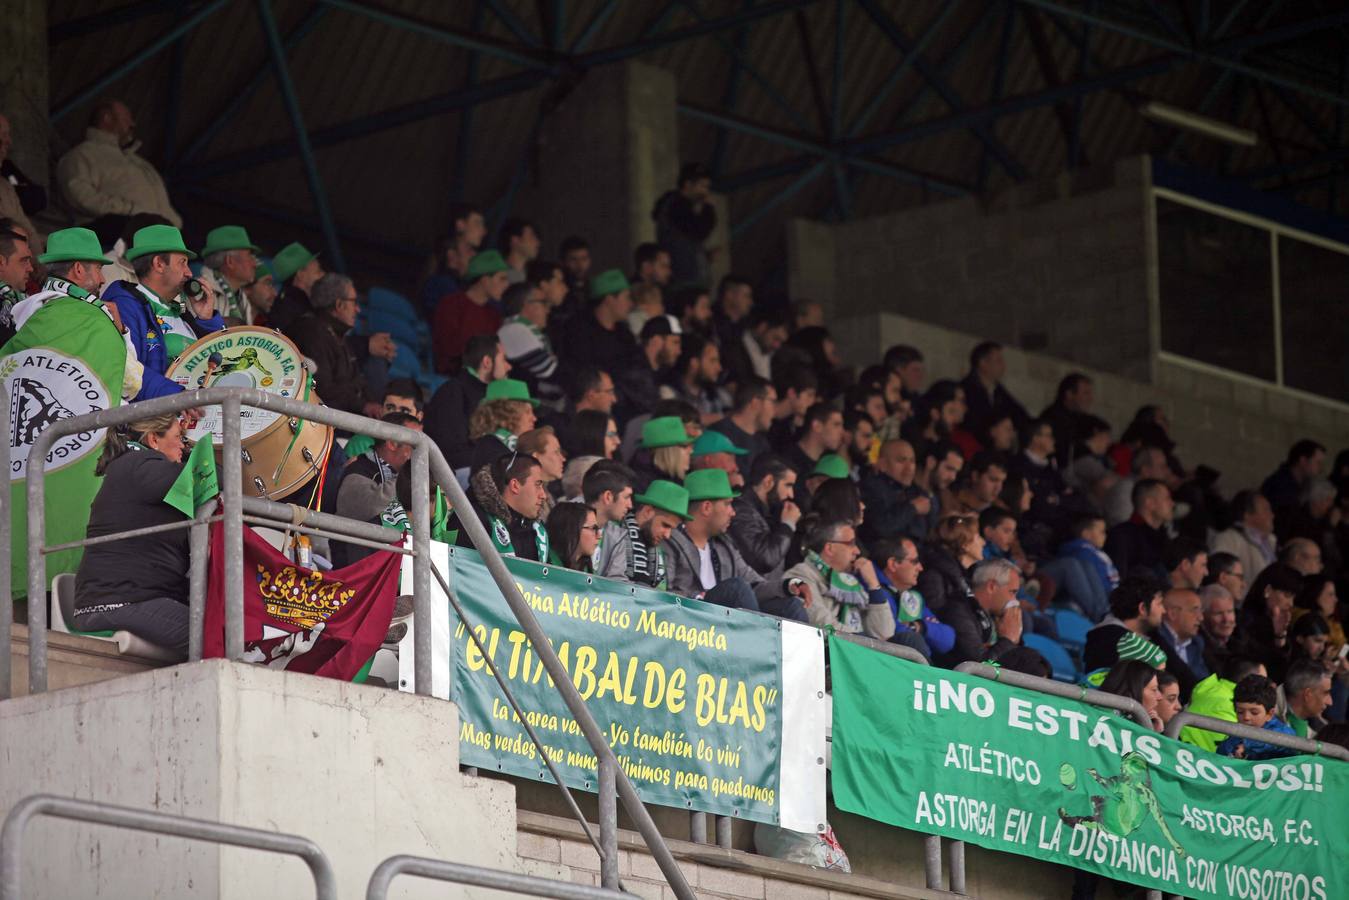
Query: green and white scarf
x: 501, y: 537
x: 844, y: 589
x: 510, y: 440
x: 178, y: 335
x: 9, y: 298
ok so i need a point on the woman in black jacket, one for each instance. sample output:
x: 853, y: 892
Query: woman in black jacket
x: 138, y: 584
x: 954, y: 547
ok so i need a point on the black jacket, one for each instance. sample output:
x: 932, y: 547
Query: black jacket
x: 339, y: 380
x: 977, y: 638
x: 983, y: 409
x: 1177, y: 666
x: 447, y: 417
x: 890, y: 510
x: 1133, y: 545
x: 288, y: 308
x: 139, y: 568
x: 942, y: 581
x: 762, y: 542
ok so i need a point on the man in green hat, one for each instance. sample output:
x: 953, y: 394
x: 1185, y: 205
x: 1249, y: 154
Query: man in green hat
x: 228, y: 266
x: 714, y: 450
x: 705, y: 563
x: 295, y: 269
x: 600, y: 336
x: 472, y: 311
x: 158, y: 322
x: 638, y: 556
x: 74, y: 262
x: 16, y: 265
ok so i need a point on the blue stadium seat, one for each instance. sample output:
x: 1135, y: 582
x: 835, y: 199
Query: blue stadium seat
x: 1073, y: 628
x: 1060, y: 662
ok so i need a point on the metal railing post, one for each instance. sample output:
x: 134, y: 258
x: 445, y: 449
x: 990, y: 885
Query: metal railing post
x: 11, y: 835
x: 231, y: 485
x: 932, y: 861
x: 724, y: 831
x: 199, y: 549
x: 1251, y: 733
x: 698, y: 827
x: 460, y: 873
x: 36, y: 482
x: 6, y: 551
x: 1059, y: 689
x: 608, y: 823
x: 957, y: 867
x: 421, y: 569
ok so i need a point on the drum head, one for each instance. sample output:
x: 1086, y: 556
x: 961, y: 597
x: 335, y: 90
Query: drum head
x: 247, y: 357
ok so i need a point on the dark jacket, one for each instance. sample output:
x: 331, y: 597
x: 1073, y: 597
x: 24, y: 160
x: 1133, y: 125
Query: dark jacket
x: 682, y: 559
x: 586, y: 343
x: 1068, y: 430
x: 753, y: 444
x: 148, y: 338
x: 139, y: 568
x: 1135, y: 545
x: 890, y: 510
x: 488, y: 503
x: 288, y: 308
x: 942, y: 581
x: 339, y: 380
x: 1102, y: 650
x: 1185, y: 674
x: 982, y: 409
x: 763, y: 542
x: 447, y: 416
x: 977, y: 638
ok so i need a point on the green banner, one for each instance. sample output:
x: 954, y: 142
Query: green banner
x: 1014, y: 770
x: 66, y: 360
x: 687, y: 694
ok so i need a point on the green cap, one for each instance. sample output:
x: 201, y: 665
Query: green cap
x: 509, y: 389
x: 73, y: 245
x: 831, y: 465
x: 667, y: 431
x: 710, y: 442
x: 289, y: 260
x: 488, y: 262
x: 227, y: 237
x: 610, y: 281
x: 1133, y: 646
x: 709, y: 484
x: 667, y: 496
x: 158, y: 239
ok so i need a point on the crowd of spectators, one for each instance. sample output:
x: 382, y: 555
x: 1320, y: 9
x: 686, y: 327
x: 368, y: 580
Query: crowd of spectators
x: 654, y: 427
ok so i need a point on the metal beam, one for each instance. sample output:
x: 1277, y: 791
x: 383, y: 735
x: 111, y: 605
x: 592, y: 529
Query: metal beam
x: 750, y: 177
x: 730, y: 93
x: 292, y: 102
x: 241, y: 95
x: 463, y: 143
x: 369, y: 124
x: 1226, y: 54
x: 594, y: 26
x: 103, y: 21
x: 911, y: 53
x: 521, y: 56
x: 746, y: 222
x: 809, y: 63
x: 948, y: 94
x: 999, y: 78
x: 89, y: 92
x: 667, y: 38
x: 1049, y: 72
x: 511, y: 21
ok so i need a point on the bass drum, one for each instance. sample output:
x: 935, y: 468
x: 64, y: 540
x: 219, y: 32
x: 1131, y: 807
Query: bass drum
x: 280, y: 454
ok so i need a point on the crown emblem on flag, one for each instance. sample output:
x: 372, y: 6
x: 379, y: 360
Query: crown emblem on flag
x: 303, y: 600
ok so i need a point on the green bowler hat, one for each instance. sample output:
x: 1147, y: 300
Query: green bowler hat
x: 611, y: 281
x: 158, y: 239
x: 709, y: 484
x: 73, y: 245
x: 667, y: 496
x: 667, y: 431
x: 488, y: 262
x: 831, y: 465
x: 509, y: 389
x: 289, y: 260
x: 710, y: 442
x: 227, y: 237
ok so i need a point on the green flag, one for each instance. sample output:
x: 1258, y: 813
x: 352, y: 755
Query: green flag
x: 197, y: 482
x: 67, y: 360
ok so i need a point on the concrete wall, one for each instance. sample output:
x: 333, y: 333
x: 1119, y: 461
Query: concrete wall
x: 365, y: 772
x: 605, y: 155
x: 1059, y: 266
x: 1243, y: 429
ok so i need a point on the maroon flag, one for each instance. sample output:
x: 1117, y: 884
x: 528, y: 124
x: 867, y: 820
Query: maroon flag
x: 322, y: 623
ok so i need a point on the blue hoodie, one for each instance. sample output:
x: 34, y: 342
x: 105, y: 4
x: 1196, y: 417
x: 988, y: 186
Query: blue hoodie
x: 148, y: 337
x: 940, y: 636
x: 1260, y: 749
x: 1096, y: 560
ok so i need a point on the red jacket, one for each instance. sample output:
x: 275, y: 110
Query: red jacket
x: 458, y: 318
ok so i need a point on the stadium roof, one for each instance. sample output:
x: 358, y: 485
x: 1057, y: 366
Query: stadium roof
x: 821, y: 108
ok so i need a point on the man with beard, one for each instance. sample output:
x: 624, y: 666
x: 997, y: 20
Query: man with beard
x: 695, y: 379
x: 660, y: 343
x: 766, y: 516
x: 941, y: 468
x: 159, y: 327
x: 638, y: 556
x: 821, y: 433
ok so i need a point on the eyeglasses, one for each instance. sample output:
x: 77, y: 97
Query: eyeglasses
x: 852, y: 543
x: 612, y: 434
x: 595, y: 528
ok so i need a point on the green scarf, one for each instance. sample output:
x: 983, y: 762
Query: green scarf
x: 504, y: 435
x: 501, y: 537
x: 61, y: 286
x: 178, y: 336
x: 395, y: 516
x: 843, y: 589
x: 9, y: 298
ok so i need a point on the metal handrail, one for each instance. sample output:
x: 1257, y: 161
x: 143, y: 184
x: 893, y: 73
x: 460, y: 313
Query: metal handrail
x: 11, y: 835
x: 1059, y: 689
x: 427, y: 464
x: 1251, y: 733
x: 461, y: 873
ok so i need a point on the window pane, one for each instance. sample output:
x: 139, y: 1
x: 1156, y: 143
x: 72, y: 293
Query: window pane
x: 1313, y: 299
x: 1217, y: 302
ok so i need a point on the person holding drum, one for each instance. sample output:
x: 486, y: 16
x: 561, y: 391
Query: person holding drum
x: 159, y: 327
x: 138, y: 584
